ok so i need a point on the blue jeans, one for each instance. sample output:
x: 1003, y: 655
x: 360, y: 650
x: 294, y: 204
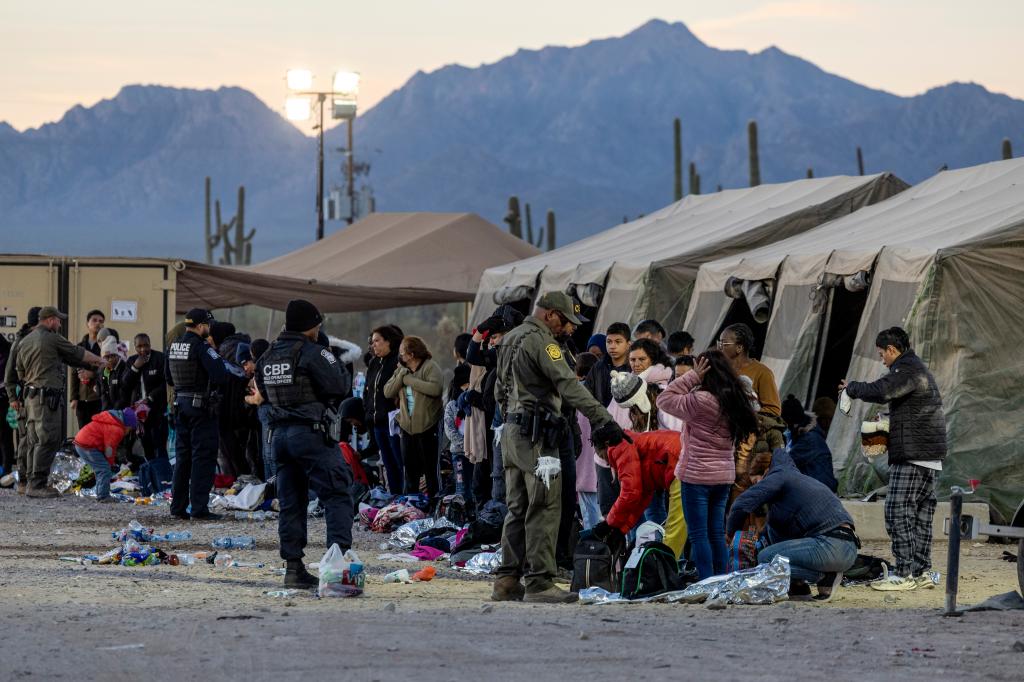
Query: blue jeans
x: 704, y: 511
x: 810, y: 558
x: 391, y: 454
x: 463, y: 477
x: 657, y: 510
x: 99, y: 464
x: 269, y: 463
x: 590, y: 508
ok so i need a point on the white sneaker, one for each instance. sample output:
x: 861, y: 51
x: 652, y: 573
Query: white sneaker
x: 927, y: 580
x: 895, y: 583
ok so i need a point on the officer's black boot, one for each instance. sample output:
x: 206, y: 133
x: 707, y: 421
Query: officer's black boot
x: 296, y: 575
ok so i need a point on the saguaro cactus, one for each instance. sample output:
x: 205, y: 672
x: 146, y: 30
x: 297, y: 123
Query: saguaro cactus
x: 1007, y: 149
x: 755, y: 160
x: 860, y: 162
x: 677, y: 147
x: 810, y: 172
x: 515, y: 223
x: 237, y: 251
x: 551, y: 230
x: 693, y: 178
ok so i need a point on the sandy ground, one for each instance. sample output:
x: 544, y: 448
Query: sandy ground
x: 64, y: 621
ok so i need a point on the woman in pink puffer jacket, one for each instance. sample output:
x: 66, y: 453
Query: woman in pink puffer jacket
x: 713, y: 405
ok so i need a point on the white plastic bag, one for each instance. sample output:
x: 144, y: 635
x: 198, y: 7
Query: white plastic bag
x: 341, y: 574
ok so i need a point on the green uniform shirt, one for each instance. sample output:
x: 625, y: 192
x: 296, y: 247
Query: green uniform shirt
x: 11, y: 380
x: 532, y: 358
x: 41, y: 358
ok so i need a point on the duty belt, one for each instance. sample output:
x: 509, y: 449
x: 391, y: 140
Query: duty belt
x: 517, y: 418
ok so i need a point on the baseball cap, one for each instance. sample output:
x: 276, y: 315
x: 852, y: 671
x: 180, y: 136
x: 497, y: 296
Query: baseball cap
x: 556, y: 300
x: 198, y: 316
x: 49, y: 311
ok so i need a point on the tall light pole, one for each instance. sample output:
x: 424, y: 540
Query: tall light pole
x: 298, y: 107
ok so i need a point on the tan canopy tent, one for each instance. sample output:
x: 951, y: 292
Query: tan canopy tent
x: 387, y: 260
x: 944, y: 259
x: 646, y: 268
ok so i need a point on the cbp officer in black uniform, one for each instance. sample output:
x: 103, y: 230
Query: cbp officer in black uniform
x: 304, y: 382
x: 194, y: 369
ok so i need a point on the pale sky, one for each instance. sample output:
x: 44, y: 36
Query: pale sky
x: 56, y: 54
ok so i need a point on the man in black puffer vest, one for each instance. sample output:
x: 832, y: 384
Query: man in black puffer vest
x: 917, y: 446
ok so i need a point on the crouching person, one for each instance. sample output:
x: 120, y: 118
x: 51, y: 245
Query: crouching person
x: 97, y: 442
x: 806, y: 523
x: 643, y: 467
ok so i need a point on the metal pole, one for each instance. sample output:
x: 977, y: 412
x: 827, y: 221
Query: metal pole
x: 351, y: 175
x: 320, y: 175
x: 956, y: 507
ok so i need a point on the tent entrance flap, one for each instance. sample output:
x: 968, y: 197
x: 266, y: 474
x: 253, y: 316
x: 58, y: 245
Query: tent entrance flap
x: 739, y: 313
x: 836, y: 340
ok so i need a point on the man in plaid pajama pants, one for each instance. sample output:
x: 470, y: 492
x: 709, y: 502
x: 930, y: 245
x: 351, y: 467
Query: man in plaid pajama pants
x: 917, y: 446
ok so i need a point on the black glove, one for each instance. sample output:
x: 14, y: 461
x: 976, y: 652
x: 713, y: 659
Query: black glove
x: 608, y: 435
x: 608, y: 534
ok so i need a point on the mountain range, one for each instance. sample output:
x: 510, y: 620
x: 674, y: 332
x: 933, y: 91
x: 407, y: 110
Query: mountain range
x: 585, y: 131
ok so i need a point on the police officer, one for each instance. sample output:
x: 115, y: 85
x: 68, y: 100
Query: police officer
x: 194, y: 369
x: 15, y: 393
x: 533, y: 380
x: 303, y: 383
x: 41, y: 356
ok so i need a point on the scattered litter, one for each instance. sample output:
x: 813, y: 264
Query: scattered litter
x: 425, y: 575
x: 390, y: 607
x: 486, y: 608
x: 235, y: 542
x: 341, y: 574
x: 255, y: 516
x: 393, y: 556
x: 240, y: 617
x: 123, y: 647
x: 483, y: 563
x: 283, y: 594
x: 404, y: 537
x: 584, y: 636
x: 399, y: 576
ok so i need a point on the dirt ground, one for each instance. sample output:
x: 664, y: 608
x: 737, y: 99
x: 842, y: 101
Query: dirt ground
x: 64, y: 621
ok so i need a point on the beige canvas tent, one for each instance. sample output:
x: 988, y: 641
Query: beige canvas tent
x: 387, y: 260
x: 646, y: 268
x: 945, y: 259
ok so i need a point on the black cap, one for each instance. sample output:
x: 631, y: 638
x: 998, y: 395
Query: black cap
x: 198, y: 316
x: 301, y: 316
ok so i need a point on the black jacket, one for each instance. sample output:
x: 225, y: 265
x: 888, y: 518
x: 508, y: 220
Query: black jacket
x: 111, y: 387
x: 151, y: 375
x: 378, y: 371
x: 917, y: 427
x: 599, y: 380
x: 328, y: 377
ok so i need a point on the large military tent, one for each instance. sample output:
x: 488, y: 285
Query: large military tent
x: 944, y: 259
x: 646, y: 268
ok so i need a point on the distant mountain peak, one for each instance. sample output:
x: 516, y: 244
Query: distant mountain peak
x: 660, y: 29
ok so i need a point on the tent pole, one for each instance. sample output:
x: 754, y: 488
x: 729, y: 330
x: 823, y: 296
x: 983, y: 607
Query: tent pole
x: 465, y: 315
x: 270, y: 324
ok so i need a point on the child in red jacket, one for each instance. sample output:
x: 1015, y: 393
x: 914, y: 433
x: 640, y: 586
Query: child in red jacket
x: 644, y: 467
x: 97, y: 441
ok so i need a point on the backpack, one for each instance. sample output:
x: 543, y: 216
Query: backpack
x: 594, y: 565
x: 865, y: 568
x: 651, y: 570
x: 453, y: 508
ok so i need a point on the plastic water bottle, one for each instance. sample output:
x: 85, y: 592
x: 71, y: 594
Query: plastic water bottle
x: 254, y: 515
x: 174, y: 536
x: 359, y: 385
x: 236, y: 542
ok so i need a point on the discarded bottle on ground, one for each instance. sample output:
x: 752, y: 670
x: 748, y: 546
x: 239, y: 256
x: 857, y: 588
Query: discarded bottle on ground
x: 254, y: 515
x: 174, y: 536
x: 236, y: 542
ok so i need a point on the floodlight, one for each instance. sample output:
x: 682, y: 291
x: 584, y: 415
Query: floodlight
x: 346, y: 84
x: 298, y: 108
x: 300, y: 79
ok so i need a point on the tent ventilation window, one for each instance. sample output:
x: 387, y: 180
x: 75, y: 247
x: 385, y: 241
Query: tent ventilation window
x: 757, y: 294
x: 513, y: 294
x: 588, y: 294
x: 857, y: 282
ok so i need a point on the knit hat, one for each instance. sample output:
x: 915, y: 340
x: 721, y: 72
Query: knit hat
x: 129, y: 418
x: 108, y: 346
x: 629, y: 390
x: 301, y: 316
x: 243, y: 353
x: 793, y: 412
x: 598, y: 340
x: 461, y: 374
x: 258, y: 348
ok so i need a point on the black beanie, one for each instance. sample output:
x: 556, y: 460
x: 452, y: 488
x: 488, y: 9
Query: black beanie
x: 220, y: 331
x: 793, y: 411
x: 301, y: 316
x: 258, y: 348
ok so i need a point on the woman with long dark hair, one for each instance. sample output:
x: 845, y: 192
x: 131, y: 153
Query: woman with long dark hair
x: 712, y: 402
x: 384, y: 343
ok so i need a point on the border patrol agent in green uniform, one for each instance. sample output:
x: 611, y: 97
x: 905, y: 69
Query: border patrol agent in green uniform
x: 533, y: 380
x: 16, y: 394
x: 41, y: 359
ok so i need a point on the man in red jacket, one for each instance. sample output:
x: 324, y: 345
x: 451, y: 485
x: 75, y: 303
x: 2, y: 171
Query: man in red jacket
x: 643, y: 467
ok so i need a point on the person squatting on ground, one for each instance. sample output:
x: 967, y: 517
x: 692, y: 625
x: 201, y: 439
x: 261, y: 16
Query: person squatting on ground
x: 806, y: 523
x: 41, y: 357
x: 532, y: 380
x: 97, y: 442
x: 917, y: 447
x: 807, y: 446
x: 303, y: 383
x: 194, y: 370
x: 644, y: 465
x: 712, y: 402
x: 417, y: 386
